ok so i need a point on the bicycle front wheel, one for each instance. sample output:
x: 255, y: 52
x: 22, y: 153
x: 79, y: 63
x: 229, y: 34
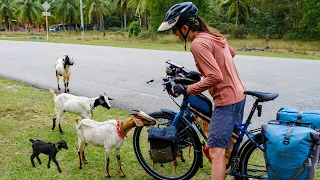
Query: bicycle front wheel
x: 252, y: 163
x: 190, y: 153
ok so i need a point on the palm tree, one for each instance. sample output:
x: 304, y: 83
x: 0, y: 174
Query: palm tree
x: 142, y: 8
x: 6, y: 12
x: 28, y: 10
x: 94, y: 10
x: 66, y: 11
x: 235, y: 7
x: 122, y: 6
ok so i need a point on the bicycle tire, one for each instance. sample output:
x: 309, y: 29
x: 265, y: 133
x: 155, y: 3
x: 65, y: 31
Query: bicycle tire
x: 250, y: 152
x: 197, y: 153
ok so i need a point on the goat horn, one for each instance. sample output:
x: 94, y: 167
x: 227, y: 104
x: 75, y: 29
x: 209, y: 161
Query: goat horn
x: 110, y: 98
x: 146, y: 116
x: 134, y: 112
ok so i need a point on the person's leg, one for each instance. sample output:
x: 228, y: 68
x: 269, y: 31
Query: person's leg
x: 218, y: 165
x: 221, y: 127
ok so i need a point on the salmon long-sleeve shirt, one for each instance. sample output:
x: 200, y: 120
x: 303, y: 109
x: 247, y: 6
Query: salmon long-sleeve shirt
x: 214, y: 60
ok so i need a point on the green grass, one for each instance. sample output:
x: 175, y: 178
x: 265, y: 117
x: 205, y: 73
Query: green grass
x: 26, y: 112
x: 278, y: 48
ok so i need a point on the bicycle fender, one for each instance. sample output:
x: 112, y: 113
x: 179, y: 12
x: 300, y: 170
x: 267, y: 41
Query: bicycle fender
x: 198, y: 143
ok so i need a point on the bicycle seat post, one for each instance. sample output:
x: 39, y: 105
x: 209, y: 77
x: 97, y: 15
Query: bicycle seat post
x: 253, y: 109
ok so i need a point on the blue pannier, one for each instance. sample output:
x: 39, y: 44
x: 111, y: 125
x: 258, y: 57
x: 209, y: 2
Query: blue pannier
x: 289, y: 114
x: 291, y: 150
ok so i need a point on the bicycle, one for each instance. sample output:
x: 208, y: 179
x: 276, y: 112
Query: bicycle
x: 241, y: 163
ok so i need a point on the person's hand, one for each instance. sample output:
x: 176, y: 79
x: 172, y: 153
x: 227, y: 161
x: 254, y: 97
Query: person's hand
x: 179, y: 89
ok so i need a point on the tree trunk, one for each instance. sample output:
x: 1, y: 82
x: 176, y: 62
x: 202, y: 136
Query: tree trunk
x: 6, y: 21
x: 237, y: 12
x: 125, y: 20
x: 62, y: 23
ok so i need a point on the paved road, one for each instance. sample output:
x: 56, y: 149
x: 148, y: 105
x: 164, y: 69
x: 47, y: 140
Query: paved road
x: 122, y: 73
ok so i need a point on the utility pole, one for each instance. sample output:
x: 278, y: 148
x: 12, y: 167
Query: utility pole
x: 81, y: 14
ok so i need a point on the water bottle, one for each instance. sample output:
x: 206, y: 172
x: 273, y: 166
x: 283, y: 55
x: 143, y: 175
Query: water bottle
x: 231, y: 145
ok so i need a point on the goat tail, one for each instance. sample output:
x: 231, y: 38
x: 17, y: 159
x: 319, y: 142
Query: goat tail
x: 31, y: 140
x: 52, y: 93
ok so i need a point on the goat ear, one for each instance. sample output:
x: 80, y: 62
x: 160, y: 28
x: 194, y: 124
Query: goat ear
x: 138, y: 122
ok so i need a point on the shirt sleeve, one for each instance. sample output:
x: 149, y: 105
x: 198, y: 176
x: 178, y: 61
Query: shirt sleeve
x: 208, y: 65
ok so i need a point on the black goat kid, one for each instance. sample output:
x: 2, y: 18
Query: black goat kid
x: 50, y: 149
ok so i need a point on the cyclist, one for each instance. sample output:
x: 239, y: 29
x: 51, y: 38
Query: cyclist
x: 214, y: 59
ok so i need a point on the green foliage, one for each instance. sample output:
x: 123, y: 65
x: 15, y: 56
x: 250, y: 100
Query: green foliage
x: 66, y: 10
x: 112, y: 21
x: 27, y: 10
x: 6, y: 12
x: 160, y: 8
x: 310, y: 23
x: 235, y: 31
x: 237, y: 11
x: 134, y: 28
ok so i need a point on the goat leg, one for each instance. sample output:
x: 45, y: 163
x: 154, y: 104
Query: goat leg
x: 120, y: 173
x: 31, y: 158
x: 54, y: 121
x: 65, y: 87
x: 48, y: 165
x: 38, y: 159
x: 61, y: 132
x: 83, y: 158
x: 106, y: 173
x: 56, y: 162
x: 68, y: 86
x: 80, y: 163
x: 57, y: 75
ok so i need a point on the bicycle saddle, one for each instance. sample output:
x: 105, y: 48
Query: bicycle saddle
x: 262, y: 96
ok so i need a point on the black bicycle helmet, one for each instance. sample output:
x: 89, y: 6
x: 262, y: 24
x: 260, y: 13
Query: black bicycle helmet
x: 180, y: 14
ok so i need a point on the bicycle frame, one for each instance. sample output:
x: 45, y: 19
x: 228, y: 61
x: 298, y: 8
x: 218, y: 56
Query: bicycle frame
x: 242, y: 128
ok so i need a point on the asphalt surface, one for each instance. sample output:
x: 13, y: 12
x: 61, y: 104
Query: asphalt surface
x: 122, y: 73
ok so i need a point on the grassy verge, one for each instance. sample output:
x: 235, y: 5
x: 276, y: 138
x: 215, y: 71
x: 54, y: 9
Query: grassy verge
x: 26, y: 112
x: 278, y: 48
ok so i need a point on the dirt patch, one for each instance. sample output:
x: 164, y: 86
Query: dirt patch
x: 20, y: 114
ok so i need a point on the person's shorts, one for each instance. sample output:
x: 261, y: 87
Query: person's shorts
x: 223, y: 120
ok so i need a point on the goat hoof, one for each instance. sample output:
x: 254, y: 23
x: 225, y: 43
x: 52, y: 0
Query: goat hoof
x: 80, y: 167
x: 123, y: 175
x: 68, y: 90
x: 33, y: 166
x: 85, y: 162
x: 60, y: 171
x: 48, y: 167
x: 107, y: 175
x: 58, y: 88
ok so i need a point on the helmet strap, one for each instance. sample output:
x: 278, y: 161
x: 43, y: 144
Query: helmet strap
x: 185, y: 37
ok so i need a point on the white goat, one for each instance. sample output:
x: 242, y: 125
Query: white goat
x: 76, y: 104
x: 63, y: 69
x: 109, y: 134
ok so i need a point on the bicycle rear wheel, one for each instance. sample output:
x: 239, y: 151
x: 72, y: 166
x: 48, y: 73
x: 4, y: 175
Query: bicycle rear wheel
x: 190, y: 151
x: 252, y: 161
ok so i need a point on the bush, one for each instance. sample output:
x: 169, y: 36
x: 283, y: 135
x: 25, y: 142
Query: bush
x: 234, y: 31
x: 134, y: 28
x: 290, y: 35
x: 112, y: 21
